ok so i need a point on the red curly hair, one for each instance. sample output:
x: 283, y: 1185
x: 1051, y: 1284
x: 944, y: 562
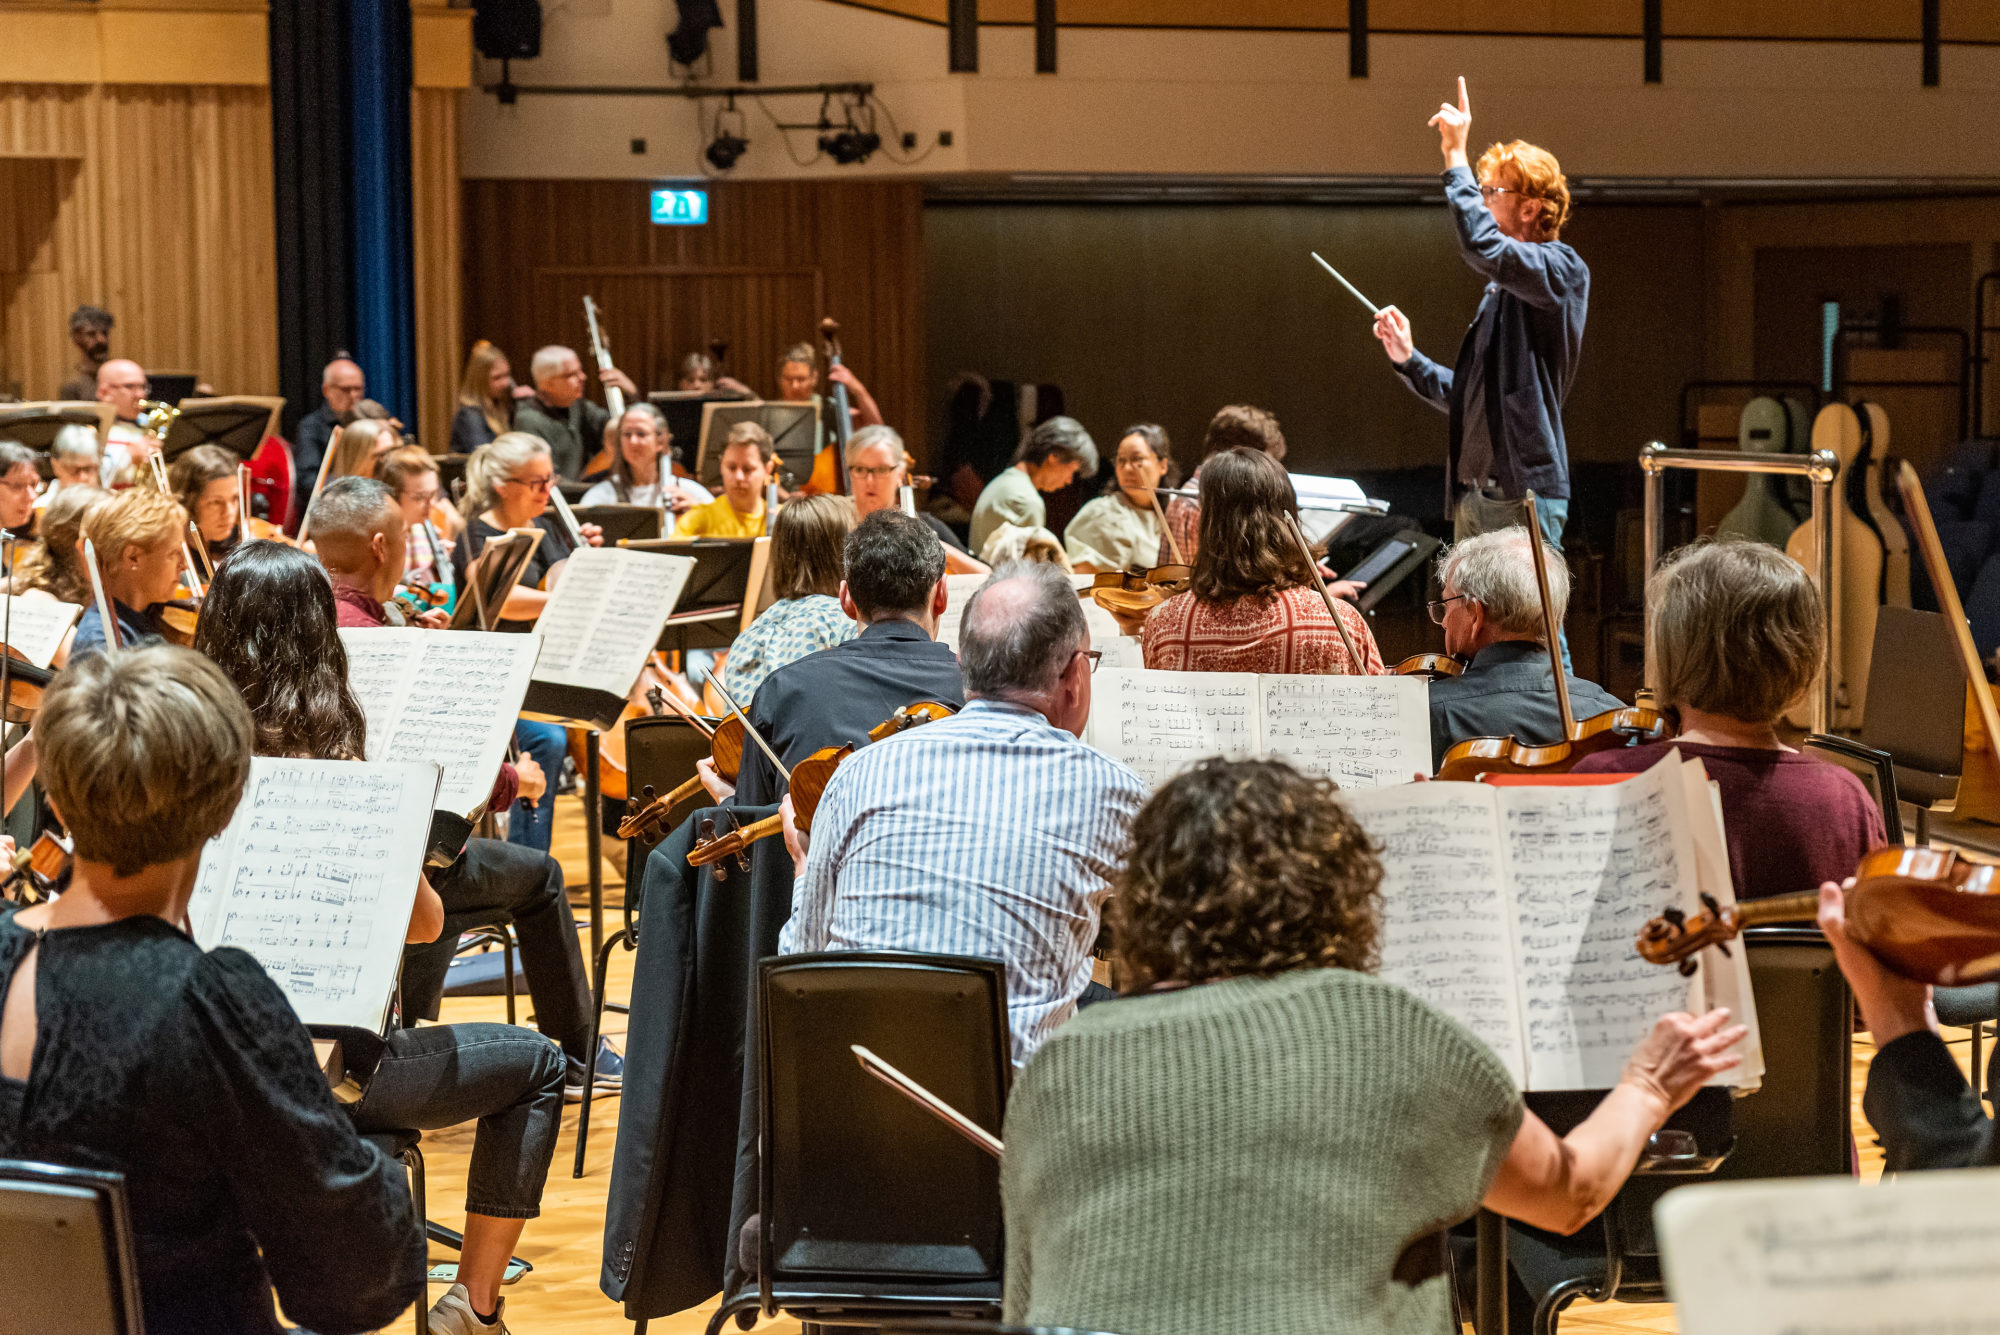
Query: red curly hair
x: 1538, y: 175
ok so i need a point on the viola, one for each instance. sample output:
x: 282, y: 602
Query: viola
x: 655, y: 691
x: 1134, y: 593
x: 809, y: 780
x: 178, y: 618
x: 25, y: 684
x: 650, y: 820
x: 1928, y: 914
x: 1630, y: 725
x: 1431, y: 667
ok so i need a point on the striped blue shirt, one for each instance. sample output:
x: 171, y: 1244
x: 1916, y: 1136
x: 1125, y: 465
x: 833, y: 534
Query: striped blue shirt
x: 993, y: 833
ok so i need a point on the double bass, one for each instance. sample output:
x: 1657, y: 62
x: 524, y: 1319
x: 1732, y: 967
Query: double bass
x: 843, y: 412
x: 1856, y: 562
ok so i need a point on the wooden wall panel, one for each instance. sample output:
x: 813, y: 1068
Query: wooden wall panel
x: 435, y: 225
x: 774, y: 258
x: 154, y: 202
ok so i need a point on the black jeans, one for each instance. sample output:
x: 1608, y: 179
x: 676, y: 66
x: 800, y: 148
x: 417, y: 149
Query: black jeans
x: 510, y: 1078
x: 496, y: 883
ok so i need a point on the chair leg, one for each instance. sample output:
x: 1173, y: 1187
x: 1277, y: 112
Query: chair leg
x: 508, y: 960
x: 1923, y: 826
x: 413, y: 1159
x: 1549, y: 1310
x: 596, y: 1028
x: 742, y: 1304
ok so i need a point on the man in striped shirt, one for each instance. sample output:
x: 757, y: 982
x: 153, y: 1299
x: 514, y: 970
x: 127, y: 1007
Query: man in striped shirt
x: 993, y: 833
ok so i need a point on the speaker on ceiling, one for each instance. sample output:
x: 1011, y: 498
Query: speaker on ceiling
x: 507, y: 29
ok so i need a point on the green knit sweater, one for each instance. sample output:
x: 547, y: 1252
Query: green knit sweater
x: 1247, y: 1155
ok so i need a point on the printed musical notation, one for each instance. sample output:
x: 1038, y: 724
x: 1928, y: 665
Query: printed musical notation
x: 449, y: 698
x: 316, y: 876
x: 36, y: 626
x: 605, y: 616
x: 1161, y: 722
x: 1919, y: 1255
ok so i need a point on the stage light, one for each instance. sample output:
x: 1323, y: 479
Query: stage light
x: 850, y: 146
x: 725, y: 149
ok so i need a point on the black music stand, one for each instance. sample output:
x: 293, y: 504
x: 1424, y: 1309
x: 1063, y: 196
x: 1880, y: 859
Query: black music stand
x: 36, y: 424
x: 1392, y: 561
x: 492, y: 573
x: 794, y: 428
x: 170, y: 386
x: 238, y: 424
x: 683, y: 410
x: 710, y: 610
x: 621, y: 523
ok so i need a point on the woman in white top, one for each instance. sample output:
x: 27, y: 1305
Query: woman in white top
x: 643, y: 465
x: 1120, y: 530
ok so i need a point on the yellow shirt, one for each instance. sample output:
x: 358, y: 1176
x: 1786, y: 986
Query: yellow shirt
x: 720, y: 519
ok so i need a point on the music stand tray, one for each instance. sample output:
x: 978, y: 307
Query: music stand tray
x: 710, y: 609
x: 238, y: 423
x: 36, y: 424
x: 622, y: 524
x: 794, y: 428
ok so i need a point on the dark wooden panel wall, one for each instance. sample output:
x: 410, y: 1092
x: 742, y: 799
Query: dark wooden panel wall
x: 772, y: 260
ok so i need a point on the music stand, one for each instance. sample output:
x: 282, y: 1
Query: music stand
x: 1394, y: 560
x: 710, y: 612
x: 36, y: 424
x: 794, y: 428
x: 621, y: 523
x: 495, y: 571
x: 683, y: 409
x: 170, y: 386
x: 238, y: 423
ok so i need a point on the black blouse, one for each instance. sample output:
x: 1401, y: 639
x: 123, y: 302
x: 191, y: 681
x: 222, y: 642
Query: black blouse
x: 188, y: 1072
x: 554, y: 547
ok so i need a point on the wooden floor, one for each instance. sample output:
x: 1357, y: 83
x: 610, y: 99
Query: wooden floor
x: 561, y: 1296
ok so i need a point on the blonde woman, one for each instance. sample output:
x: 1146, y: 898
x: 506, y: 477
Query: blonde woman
x: 485, y: 399
x: 137, y: 537
x: 806, y: 572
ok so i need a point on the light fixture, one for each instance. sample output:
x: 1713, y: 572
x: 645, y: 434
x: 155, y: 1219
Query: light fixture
x: 853, y: 143
x: 729, y: 143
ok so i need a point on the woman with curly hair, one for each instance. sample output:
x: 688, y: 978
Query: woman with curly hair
x: 1263, y: 1136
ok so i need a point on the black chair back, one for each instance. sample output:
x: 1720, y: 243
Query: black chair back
x: 660, y: 753
x: 857, y: 1181
x: 1915, y: 707
x: 1875, y: 769
x: 71, y: 1231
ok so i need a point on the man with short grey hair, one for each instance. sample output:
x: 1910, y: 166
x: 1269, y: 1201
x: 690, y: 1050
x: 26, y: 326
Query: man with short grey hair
x: 1491, y: 612
x: 561, y: 414
x: 1048, y: 460
x: 993, y: 833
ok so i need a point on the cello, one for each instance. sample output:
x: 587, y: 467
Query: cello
x: 1856, y: 565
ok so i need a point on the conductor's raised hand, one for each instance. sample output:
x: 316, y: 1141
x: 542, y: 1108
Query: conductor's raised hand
x: 1392, y: 327
x: 1453, y: 124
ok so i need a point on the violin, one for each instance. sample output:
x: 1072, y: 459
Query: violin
x: 656, y: 692
x: 809, y: 780
x: 1431, y: 667
x: 726, y: 750
x: 178, y: 619
x: 1134, y: 593
x: 37, y: 869
x: 25, y: 684
x: 1926, y: 913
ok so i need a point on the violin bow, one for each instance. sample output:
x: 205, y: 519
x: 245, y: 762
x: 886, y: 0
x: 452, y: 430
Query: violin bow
x: 243, y: 502
x: 926, y: 1100
x: 1551, y: 632
x: 715, y: 679
x: 187, y: 554
x: 97, y: 588
x: 1153, y: 495
x: 680, y: 707
x: 325, y: 462
x: 1312, y: 564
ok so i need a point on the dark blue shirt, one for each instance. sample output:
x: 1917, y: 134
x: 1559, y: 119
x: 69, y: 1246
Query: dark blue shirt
x: 134, y: 629
x: 1518, y: 359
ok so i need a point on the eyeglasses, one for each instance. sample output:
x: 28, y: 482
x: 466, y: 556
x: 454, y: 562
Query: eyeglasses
x: 1488, y: 191
x: 1094, y: 655
x: 1437, y: 606
x: 871, y: 471
x: 534, y: 483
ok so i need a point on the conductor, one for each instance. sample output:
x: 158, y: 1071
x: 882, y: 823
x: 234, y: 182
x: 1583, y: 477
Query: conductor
x: 1505, y: 394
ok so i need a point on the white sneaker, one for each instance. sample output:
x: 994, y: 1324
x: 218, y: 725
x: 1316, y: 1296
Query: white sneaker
x: 453, y: 1315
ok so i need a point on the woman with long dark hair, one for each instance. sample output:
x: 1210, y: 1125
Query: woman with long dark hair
x: 1252, y: 605
x: 269, y: 623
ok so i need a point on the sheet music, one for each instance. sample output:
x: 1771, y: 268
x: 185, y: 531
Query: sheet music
x: 1161, y: 722
x: 1725, y: 979
x: 1918, y: 1255
x: 1446, y: 930
x: 1588, y: 866
x: 1361, y: 732
x: 316, y: 876
x: 605, y: 616
x: 37, y: 627
x: 449, y: 697
x: 958, y: 590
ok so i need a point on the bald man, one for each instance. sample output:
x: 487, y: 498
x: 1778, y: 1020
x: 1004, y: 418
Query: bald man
x: 341, y: 386
x: 122, y: 383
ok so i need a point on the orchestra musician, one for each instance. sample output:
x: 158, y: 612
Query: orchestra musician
x: 878, y: 468
x: 642, y: 471
x: 1491, y: 611
x: 204, y: 481
x: 1917, y: 1098
x: 1253, y: 1020
x: 1251, y: 605
x: 269, y: 623
x: 749, y: 461
x: 359, y: 532
x: 698, y: 376
x: 507, y: 486
x: 76, y: 459
x: 1738, y: 633
x: 90, y: 331
x: 893, y: 589
x: 798, y: 382
x: 125, y: 1047
x: 485, y: 399
x: 995, y: 832
x: 20, y: 478
x: 806, y: 542
x: 1049, y: 459
x: 138, y: 539
x: 361, y: 445
x: 1505, y: 395
x: 1235, y: 426
x: 411, y: 473
x: 53, y: 567
x: 341, y: 387
x: 123, y: 384
x: 1121, y: 529
x: 561, y: 414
